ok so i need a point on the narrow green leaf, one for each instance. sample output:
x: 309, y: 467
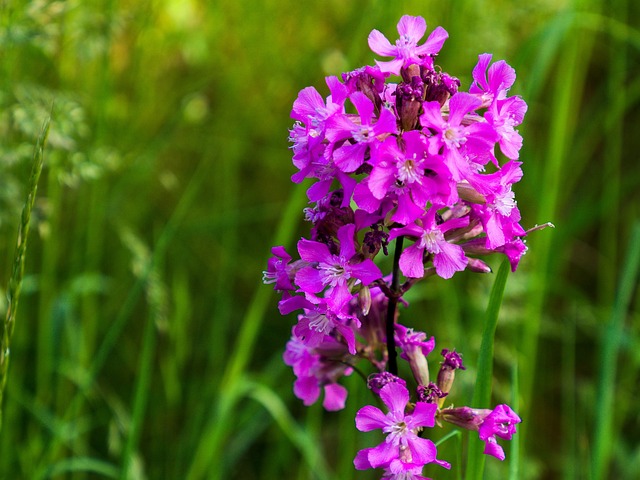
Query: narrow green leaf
x: 482, y: 391
x: 305, y: 443
x: 83, y: 464
x: 604, y: 437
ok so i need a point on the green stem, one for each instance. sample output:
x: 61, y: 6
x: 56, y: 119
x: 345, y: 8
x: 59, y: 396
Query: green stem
x: 15, y: 283
x: 391, y: 308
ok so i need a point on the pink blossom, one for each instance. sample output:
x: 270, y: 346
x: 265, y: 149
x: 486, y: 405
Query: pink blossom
x: 406, y: 50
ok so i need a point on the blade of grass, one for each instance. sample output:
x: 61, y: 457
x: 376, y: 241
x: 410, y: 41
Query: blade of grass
x: 15, y: 282
x: 220, y: 421
x: 514, y: 457
x: 563, y: 117
x: 604, y: 438
x: 156, y: 294
x: 482, y: 390
x: 83, y: 465
x: 306, y: 444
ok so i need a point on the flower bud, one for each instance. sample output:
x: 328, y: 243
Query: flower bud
x: 478, y: 266
x: 465, y: 417
x: 376, y: 381
x: 468, y: 193
x: 364, y: 300
x: 409, y: 102
x: 447, y: 373
x: 430, y: 393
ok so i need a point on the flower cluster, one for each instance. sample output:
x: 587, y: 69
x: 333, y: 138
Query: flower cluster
x: 420, y: 160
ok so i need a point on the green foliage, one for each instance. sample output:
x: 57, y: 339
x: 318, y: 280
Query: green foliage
x: 145, y: 345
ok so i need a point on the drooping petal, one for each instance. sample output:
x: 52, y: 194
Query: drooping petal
x: 361, y: 462
x: 307, y: 390
x: 450, y: 260
x: 411, y: 263
x: 335, y: 396
x: 382, y: 454
x: 423, y: 451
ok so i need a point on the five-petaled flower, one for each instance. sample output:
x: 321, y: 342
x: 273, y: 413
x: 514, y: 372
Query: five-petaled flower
x: 403, y: 449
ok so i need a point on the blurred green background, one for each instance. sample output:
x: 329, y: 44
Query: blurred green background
x: 145, y: 346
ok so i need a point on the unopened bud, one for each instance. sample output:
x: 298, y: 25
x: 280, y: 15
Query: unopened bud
x: 376, y: 381
x: 465, y: 417
x: 430, y: 393
x: 364, y: 299
x: 447, y: 373
x: 478, y: 266
x: 468, y: 193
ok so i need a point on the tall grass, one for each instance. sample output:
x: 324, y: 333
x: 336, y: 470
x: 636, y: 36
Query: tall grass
x: 145, y: 346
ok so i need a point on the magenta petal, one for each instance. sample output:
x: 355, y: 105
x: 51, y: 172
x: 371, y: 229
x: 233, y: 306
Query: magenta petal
x: 395, y: 396
x: 386, y: 123
x: 307, y: 104
x: 450, y: 260
x: 366, y: 271
x: 345, y: 236
x: 492, y: 448
x: 480, y: 73
x: 434, y: 42
x: 370, y: 418
x: 501, y: 76
x: 364, y: 107
x: 379, y: 44
x: 309, y: 280
x: 361, y: 462
x: 311, y: 251
x: 335, y: 396
x: 424, y: 414
x: 382, y: 455
x: 412, y: 27
x: 411, y: 262
x: 307, y: 390
x: 319, y: 190
x: 461, y: 104
x: 349, y: 156
x: 381, y: 178
x: 423, y: 451
x: 392, y: 66
x: 432, y: 116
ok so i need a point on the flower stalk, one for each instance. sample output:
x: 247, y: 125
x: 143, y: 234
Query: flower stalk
x: 394, y: 296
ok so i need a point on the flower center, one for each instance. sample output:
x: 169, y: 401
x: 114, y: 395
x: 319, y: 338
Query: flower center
x: 454, y: 136
x: 505, y: 203
x: 364, y: 134
x: 320, y: 323
x: 408, y: 171
x: 333, y: 274
x: 430, y: 241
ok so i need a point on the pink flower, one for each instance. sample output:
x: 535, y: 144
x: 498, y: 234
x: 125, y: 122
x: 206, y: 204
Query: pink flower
x: 406, y: 50
x: 334, y: 271
x: 403, y: 449
x: 501, y: 422
x: 448, y: 258
x: 363, y: 131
